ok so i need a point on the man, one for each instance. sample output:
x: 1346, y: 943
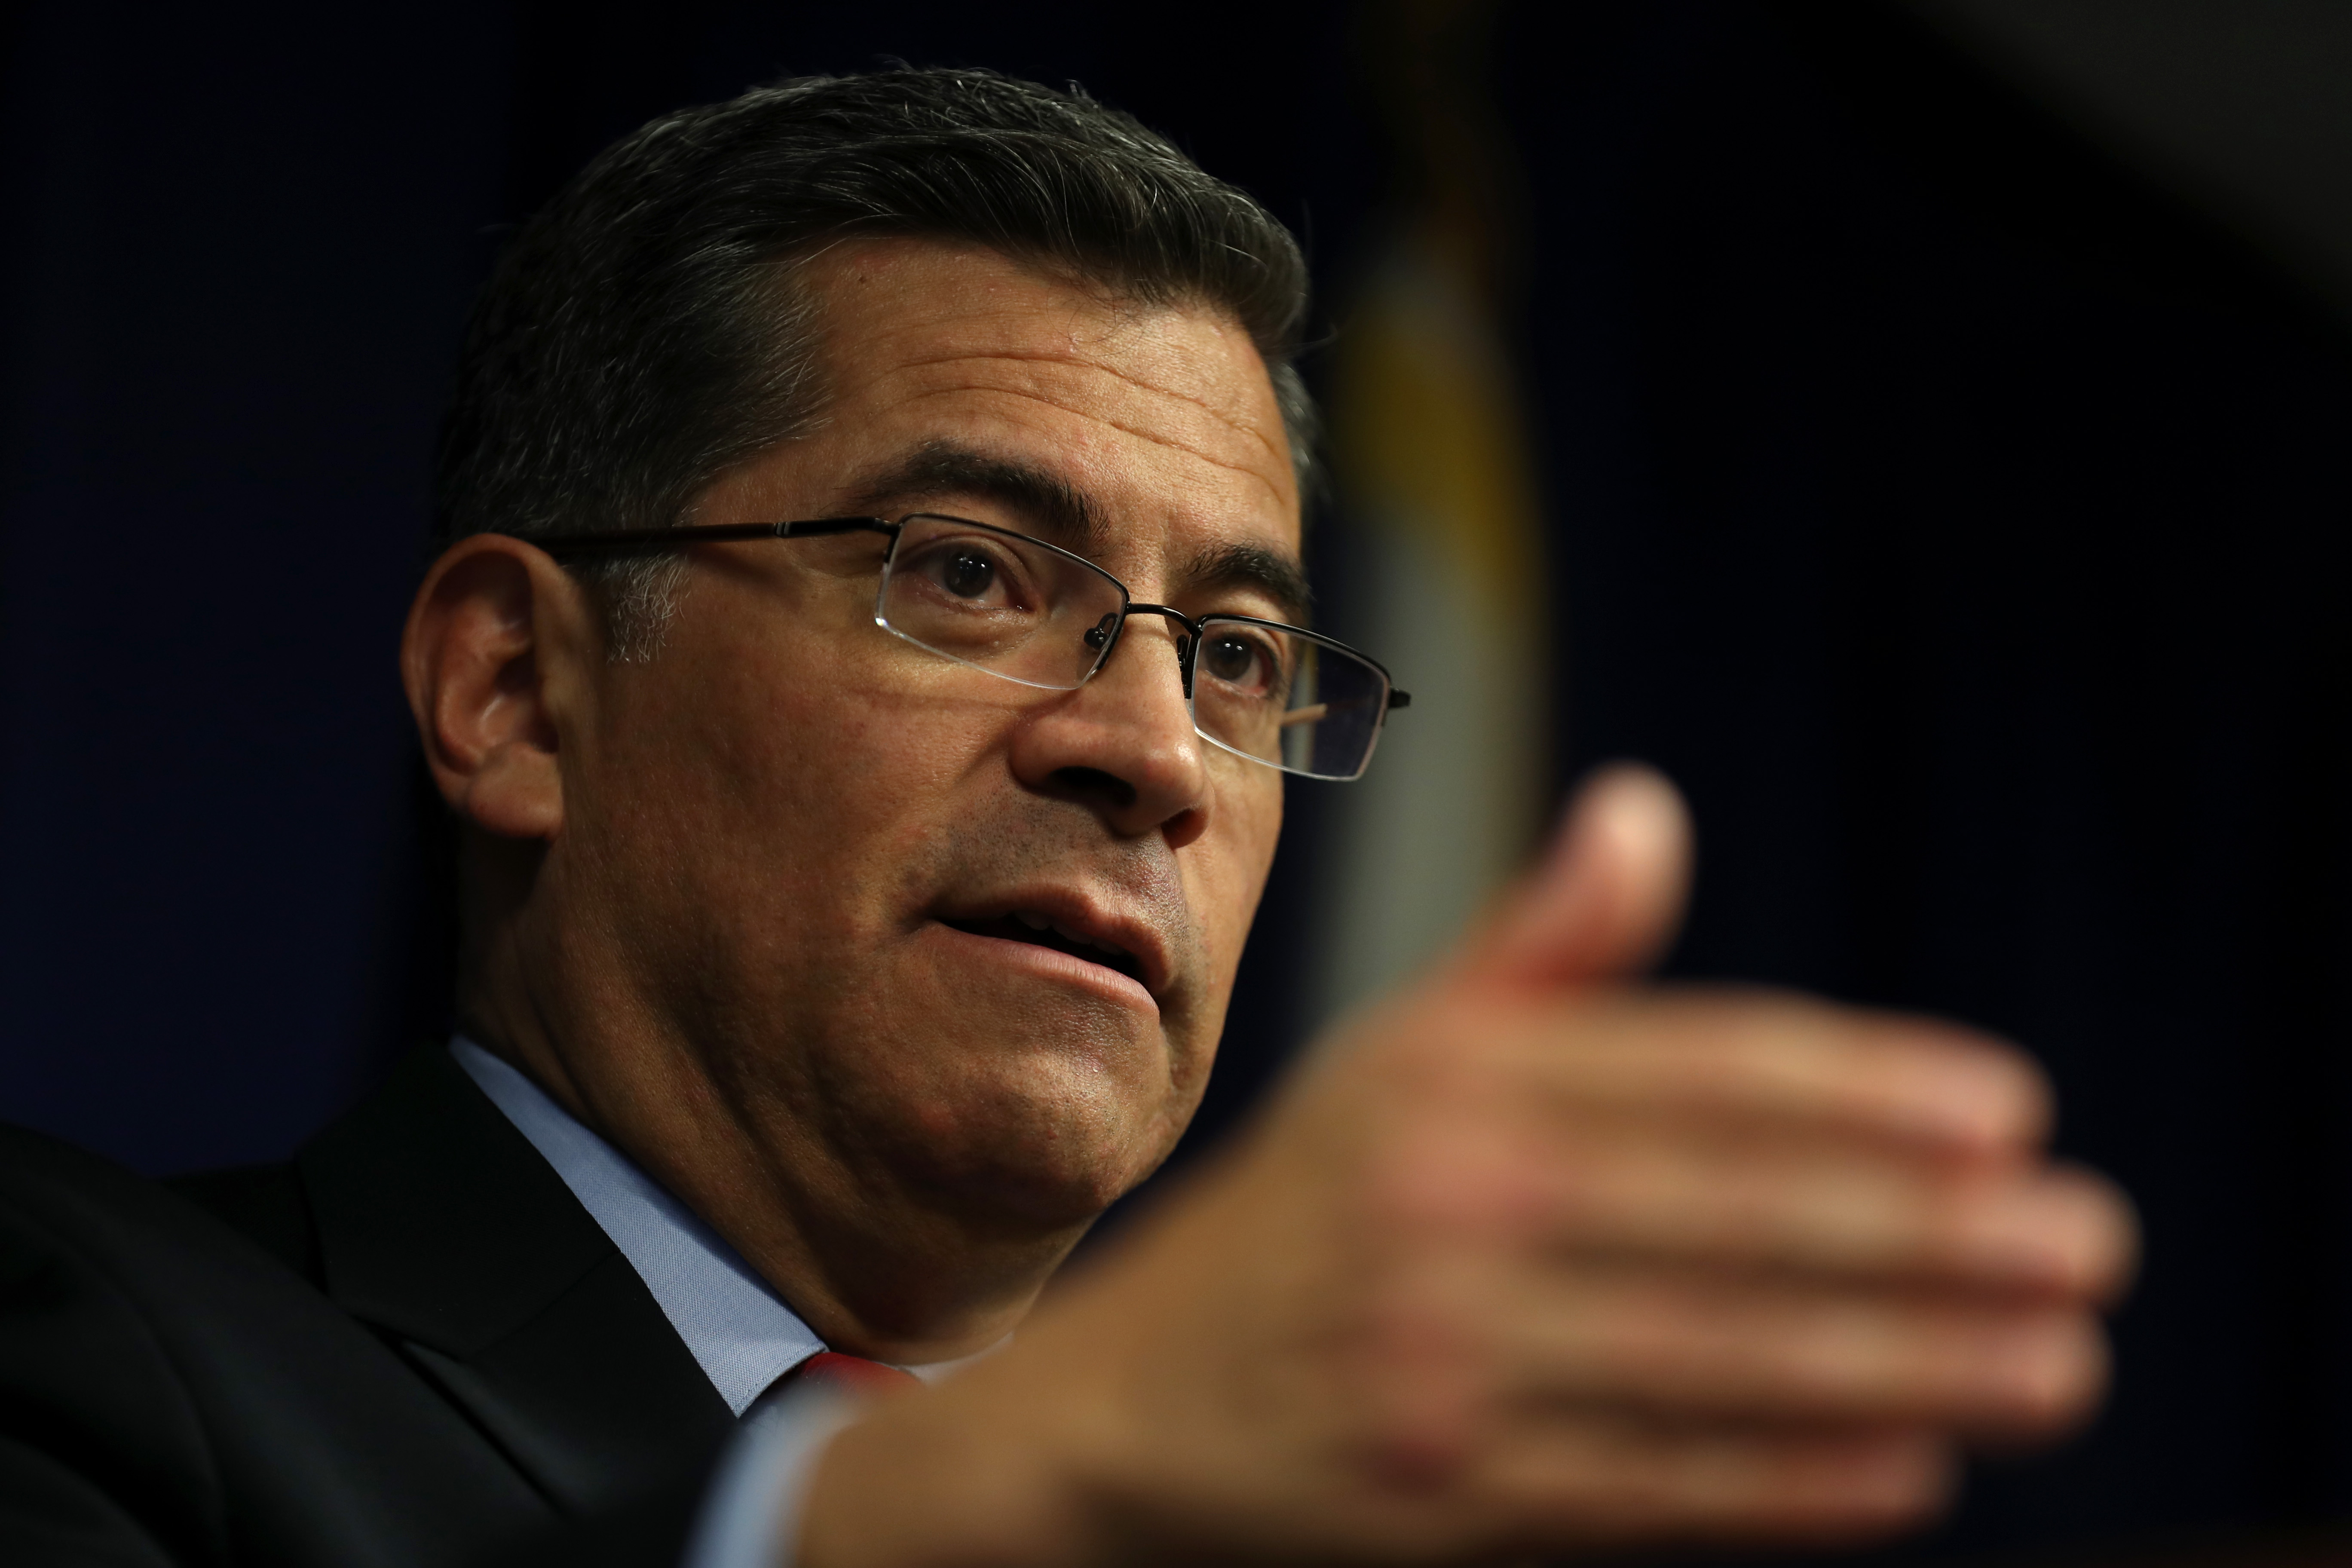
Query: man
x: 863, y: 673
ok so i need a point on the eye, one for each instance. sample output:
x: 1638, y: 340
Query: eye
x: 1240, y: 659
x: 966, y: 573
x: 971, y: 572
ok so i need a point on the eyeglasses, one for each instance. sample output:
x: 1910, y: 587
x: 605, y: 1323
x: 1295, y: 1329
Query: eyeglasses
x: 1035, y: 614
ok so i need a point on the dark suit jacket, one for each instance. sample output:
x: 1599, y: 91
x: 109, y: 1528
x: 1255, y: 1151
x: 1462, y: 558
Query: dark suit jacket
x: 411, y: 1346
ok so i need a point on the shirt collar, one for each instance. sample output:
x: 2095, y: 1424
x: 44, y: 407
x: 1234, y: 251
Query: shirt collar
x: 734, y: 1324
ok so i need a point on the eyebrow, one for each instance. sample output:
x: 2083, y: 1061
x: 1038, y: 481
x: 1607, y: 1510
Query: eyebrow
x: 1276, y: 575
x: 1063, y: 513
x: 1057, y: 509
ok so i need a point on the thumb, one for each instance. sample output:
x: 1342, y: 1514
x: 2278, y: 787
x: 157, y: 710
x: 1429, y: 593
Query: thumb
x: 1608, y: 893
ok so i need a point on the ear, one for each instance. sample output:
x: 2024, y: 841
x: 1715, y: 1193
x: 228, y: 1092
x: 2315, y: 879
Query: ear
x: 494, y: 657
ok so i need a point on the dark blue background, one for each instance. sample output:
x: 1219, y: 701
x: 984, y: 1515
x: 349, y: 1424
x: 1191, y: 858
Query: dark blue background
x: 1958, y: 519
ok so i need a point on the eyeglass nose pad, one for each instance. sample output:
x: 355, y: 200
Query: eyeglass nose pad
x: 1099, y: 633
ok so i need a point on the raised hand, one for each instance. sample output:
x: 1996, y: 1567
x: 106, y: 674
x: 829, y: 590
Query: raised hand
x: 1531, y: 1256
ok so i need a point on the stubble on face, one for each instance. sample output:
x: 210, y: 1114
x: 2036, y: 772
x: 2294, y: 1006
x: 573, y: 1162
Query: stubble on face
x: 776, y: 813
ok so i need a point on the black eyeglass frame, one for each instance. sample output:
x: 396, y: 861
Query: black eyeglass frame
x: 621, y: 541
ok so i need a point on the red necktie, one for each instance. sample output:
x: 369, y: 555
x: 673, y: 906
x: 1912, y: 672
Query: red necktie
x: 852, y: 1375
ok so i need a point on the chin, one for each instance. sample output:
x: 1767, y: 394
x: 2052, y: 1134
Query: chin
x: 1008, y: 1103
x: 1042, y: 1150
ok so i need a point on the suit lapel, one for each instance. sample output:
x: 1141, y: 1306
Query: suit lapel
x: 443, y: 1227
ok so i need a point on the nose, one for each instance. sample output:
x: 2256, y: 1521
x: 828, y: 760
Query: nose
x: 1123, y: 744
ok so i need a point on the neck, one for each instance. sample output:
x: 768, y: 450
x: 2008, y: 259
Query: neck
x: 873, y: 1267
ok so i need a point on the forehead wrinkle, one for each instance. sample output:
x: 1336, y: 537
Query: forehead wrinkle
x: 1241, y: 426
x: 1241, y: 468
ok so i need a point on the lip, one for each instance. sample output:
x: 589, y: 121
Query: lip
x: 1052, y: 965
x: 1091, y: 920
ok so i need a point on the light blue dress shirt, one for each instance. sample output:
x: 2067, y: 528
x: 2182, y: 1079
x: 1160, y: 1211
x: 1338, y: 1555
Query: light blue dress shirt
x: 739, y: 1330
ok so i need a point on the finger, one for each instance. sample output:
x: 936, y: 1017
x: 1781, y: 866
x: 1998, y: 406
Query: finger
x: 1738, y: 1055
x: 1607, y: 894
x: 1789, y: 1203
x: 1620, y: 1480
x: 1694, y: 1346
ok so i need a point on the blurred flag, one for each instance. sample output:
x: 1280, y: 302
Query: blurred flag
x: 1443, y: 575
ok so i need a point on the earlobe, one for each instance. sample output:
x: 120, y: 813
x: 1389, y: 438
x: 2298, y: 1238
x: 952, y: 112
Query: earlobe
x: 484, y: 637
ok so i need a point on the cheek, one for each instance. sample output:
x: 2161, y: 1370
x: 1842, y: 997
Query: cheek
x: 1224, y: 886
x: 737, y: 809
x: 812, y: 762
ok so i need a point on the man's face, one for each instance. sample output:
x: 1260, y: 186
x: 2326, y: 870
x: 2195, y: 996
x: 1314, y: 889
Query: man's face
x: 808, y: 859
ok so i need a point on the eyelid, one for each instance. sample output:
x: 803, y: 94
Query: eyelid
x: 997, y: 514
x: 1274, y: 613
x: 1245, y: 629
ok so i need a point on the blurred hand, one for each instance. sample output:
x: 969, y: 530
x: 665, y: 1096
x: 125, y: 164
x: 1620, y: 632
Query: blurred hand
x: 1531, y: 1257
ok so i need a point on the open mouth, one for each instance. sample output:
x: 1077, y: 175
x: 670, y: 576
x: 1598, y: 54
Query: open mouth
x: 1021, y: 925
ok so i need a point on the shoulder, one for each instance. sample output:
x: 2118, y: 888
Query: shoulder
x: 172, y: 1392
x: 70, y: 1209
x: 410, y: 1344
x: 98, y: 1268
x: 265, y: 1204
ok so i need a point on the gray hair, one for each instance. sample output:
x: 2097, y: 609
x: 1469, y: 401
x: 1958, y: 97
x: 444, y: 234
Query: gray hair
x: 646, y: 330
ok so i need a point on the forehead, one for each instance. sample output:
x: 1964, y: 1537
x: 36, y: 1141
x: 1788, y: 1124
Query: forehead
x: 1163, y: 418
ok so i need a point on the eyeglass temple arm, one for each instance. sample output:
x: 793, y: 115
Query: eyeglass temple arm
x: 622, y: 541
